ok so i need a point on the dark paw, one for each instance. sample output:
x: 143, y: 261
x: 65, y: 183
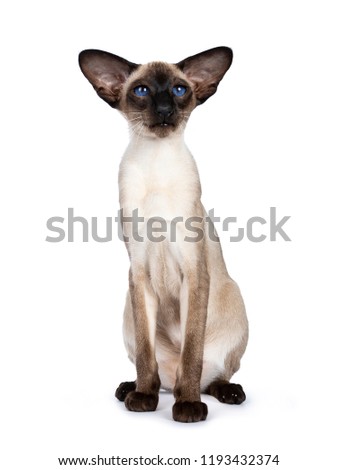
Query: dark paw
x: 189, y: 411
x: 138, y: 401
x: 123, y: 389
x: 225, y: 392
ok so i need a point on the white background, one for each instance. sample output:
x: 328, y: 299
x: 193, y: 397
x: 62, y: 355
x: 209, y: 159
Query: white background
x: 267, y: 138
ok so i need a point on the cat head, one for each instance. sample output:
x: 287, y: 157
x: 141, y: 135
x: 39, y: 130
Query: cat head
x: 156, y: 98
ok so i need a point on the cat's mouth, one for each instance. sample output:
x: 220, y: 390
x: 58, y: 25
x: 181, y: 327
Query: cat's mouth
x: 162, y: 129
x: 161, y: 124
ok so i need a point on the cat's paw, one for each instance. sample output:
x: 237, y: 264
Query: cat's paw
x: 190, y: 411
x: 138, y: 401
x: 226, y: 392
x: 123, y: 389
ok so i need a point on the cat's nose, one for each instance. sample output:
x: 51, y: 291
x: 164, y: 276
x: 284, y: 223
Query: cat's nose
x: 164, y: 105
x: 164, y: 109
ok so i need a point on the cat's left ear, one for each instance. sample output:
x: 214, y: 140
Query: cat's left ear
x: 106, y: 72
x: 206, y: 70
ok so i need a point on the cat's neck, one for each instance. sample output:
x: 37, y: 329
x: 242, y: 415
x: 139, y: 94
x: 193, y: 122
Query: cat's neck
x: 159, y: 177
x: 166, y: 164
x: 169, y: 152
x: 140, y: 143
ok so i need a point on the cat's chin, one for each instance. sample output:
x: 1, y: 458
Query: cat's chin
x: 156, y: 131
x: 162, y: 130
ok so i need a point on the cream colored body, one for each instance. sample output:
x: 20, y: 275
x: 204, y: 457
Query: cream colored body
x: 159, y: 177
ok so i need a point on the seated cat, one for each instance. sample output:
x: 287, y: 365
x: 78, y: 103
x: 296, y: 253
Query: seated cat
x: 185, y: 326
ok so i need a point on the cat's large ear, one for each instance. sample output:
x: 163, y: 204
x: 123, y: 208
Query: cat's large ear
x: 106, y: 72
x: 206, y: 70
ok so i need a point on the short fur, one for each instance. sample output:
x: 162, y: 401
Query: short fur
x: 185, y: 325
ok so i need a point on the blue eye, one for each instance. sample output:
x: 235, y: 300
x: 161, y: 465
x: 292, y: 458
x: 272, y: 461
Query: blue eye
x: 179, y: 90
x: 141, y: 90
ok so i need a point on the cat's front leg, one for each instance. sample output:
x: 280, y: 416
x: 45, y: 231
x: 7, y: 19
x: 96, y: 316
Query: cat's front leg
x: 144, y: 305
x: 193, y: 311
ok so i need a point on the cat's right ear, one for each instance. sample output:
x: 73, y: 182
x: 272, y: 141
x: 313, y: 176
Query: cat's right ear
x: 106, y: 72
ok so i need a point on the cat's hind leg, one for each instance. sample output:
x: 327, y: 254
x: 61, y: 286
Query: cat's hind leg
x: 226, y: 392
x: 123, y: 389
x: 226, y: 340
x: 129, y: 334
x: 221, y: 387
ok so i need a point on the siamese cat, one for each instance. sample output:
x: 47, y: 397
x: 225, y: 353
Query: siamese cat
x: 185, y: 326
